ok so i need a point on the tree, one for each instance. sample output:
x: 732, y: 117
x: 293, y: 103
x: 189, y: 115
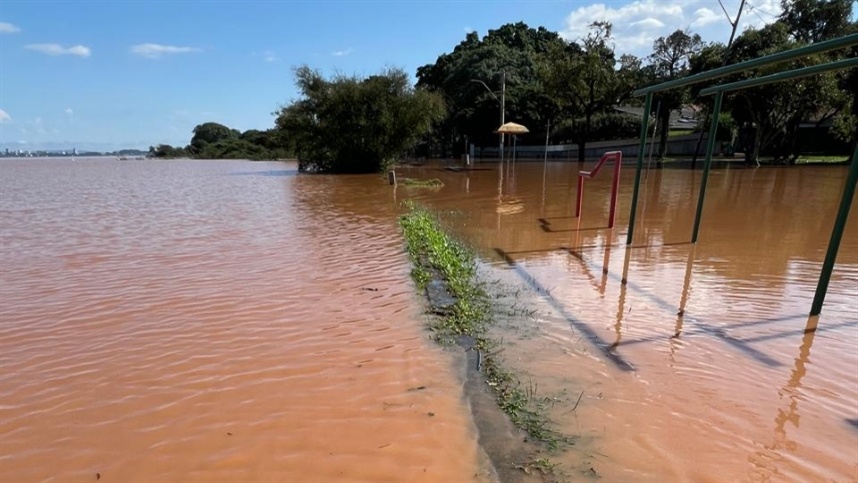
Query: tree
x: 816, y: 20
x: 167, y: 151
x: 586, y: 83
x: 209, y: 133
x: 512, y: 52
x: 777, y: 110
x: 669, y: 61
x: 216, y: 141
x: 348, y: 124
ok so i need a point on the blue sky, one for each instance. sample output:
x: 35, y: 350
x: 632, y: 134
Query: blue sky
x: 106, y: 75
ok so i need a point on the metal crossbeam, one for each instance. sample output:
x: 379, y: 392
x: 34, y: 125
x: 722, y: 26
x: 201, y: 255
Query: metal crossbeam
x: 815, y: 48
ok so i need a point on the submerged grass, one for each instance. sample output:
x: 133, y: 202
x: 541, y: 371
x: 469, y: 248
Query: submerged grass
x: 422, y: 183
x: 821, y: 159
x: 436, y: 255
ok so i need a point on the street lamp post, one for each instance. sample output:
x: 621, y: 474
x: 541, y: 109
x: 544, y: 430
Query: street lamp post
x: 502, y: 101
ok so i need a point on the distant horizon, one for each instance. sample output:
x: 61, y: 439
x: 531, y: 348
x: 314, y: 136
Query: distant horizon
x: 59, y: 146
x: 67, y: 150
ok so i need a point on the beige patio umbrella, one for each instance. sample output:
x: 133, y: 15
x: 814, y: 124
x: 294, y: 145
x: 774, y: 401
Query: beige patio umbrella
x: 512, y: 128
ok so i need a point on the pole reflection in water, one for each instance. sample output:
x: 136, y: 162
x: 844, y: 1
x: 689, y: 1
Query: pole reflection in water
x: 544, y: 171
x: 712, y: 333
x: 621, y: 302
x: 500, y: 193
x: 773, y: 451
x: 686, y: 290
x: 606, y: 261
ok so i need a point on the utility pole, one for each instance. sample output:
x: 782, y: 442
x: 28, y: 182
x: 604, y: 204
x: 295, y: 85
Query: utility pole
x: 503, y: 111
x: 502, y: 102
x: 734, y: 24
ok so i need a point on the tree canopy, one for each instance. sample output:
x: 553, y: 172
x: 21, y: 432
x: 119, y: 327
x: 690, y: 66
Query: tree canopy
x: 585, y: 82
x: 777, y: 110
x: 349, y: 124
x: 510, y: 55
x: 216, y: 141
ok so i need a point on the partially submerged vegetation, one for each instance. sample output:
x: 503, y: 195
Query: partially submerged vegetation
x: 352, y: 124
x: 437, y: 256
x: 821, y: 159
x: 216, y: 141
x: 422, y: 183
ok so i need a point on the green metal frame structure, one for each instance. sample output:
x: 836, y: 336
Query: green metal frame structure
x: 719, y: 90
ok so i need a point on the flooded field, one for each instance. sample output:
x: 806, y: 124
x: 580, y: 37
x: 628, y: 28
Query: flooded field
x: 215, y: 321
x: 699, y: 368
x: 232, y: 321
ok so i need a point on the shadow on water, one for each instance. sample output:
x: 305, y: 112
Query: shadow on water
x: 270, y: 172
x: 671, y: 308
x: 717, y: 338
x: 583, y: 328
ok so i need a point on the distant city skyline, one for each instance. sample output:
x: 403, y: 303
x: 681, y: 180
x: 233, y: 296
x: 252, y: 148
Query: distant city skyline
x: 104, y: 76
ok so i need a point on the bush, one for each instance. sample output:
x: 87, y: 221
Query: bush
x: 354, y: 125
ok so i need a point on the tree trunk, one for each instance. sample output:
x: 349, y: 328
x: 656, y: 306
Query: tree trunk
x: 664, y: 130
x: 585, y: 136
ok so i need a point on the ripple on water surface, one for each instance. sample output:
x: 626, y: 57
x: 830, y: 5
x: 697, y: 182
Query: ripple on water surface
x: 699, y: 368
x: 203, y: 321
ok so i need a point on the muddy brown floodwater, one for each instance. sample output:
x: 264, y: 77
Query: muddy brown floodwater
x: 700, y: 367
x: 232, y: 321
x: 215, y: 321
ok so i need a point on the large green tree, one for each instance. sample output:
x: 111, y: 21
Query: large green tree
x: 777, y: 110
x: 210, y: 133
x: 668, y: 61
x: 586, y: 82
x: 811, y: 21
x: 510, y: 56
x: 349, y: 124
x: 216, y: 141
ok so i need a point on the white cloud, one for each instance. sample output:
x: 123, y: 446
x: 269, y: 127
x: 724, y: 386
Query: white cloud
x: 627, y: 35
x: 703, y: 17
x: 8, y: 28
x: 648, y: 23
x: 638, y: 23
x: 4, y: 116
x: 57, y: 49
x: 156, y: 51
x: 69, y: 112
x: 342, y: 53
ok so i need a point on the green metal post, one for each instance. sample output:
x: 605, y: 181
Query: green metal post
x: 843, y: 64
x: 836, y: 235
x: 641, y: 151
x: 707, y: 163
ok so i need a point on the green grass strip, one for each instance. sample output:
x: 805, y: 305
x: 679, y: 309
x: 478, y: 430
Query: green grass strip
x: 435, y: 254
x: 422, y: 183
